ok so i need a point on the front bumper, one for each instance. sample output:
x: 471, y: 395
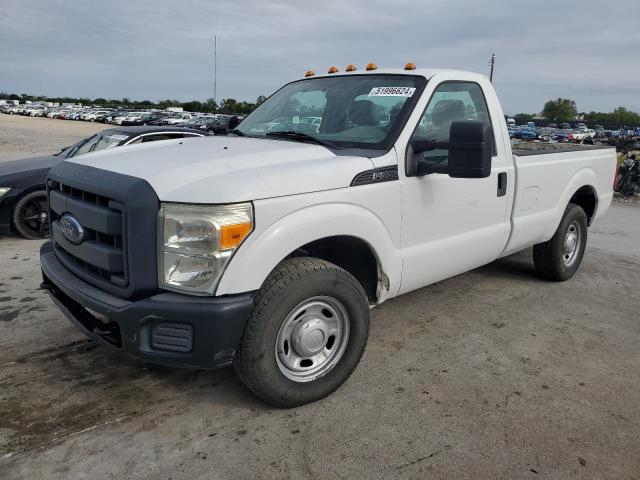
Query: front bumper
x: 166, y: 328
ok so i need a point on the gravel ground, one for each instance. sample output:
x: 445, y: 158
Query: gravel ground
x: 22, y: 137
x: 491, y: 374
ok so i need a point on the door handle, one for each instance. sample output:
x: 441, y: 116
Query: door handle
x: 502, y: 184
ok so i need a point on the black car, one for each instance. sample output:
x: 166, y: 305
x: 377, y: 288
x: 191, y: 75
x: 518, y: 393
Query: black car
x: 212, y: 125
x: 23, y: 202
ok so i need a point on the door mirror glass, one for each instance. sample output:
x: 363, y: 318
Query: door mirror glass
x: 470, y: 150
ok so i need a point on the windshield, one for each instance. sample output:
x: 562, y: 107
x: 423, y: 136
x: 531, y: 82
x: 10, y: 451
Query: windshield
x: 95, y: 143
x: 352, y: 111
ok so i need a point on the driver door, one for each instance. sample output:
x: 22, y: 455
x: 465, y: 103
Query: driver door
x: 451, y: 225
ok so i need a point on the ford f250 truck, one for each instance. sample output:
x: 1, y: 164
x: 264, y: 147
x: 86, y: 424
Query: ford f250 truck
x: 266, y: 248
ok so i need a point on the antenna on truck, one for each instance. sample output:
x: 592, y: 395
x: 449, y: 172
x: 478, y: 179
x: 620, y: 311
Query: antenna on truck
x: 492, y: 62
x: 215, y: 73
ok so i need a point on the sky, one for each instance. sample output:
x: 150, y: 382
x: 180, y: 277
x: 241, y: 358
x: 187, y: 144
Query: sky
x: 586, y: 50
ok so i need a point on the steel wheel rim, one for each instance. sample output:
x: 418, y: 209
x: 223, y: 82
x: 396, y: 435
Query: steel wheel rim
x: 571, y: 244
x: 312, y: 339
x: 34, y: 216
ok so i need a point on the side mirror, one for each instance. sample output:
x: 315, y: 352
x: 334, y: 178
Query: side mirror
x: 232, y: 123
x: 470, y: 149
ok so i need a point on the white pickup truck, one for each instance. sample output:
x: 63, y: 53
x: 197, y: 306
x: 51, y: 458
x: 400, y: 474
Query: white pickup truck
x: 266, y: 248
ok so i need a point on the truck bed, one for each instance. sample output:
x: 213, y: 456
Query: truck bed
x: 522, y: 149
x: 547, y: 176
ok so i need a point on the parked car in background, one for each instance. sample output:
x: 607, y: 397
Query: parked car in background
x: 147, y: 118
x: 178, y: 119
x: 129, y: 117
x: 119, y: 116
x: 577, y: 135
x: 75, y: 115
x: 23, y: 205
x: 93, y: 115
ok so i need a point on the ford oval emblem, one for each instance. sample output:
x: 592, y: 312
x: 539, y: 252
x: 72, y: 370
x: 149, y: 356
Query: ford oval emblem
x: 71, y: 229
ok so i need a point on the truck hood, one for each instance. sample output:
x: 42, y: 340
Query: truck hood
x: 229, y: 169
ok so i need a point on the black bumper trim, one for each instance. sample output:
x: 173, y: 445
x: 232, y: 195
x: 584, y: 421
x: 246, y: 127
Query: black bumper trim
x: 217, y: 323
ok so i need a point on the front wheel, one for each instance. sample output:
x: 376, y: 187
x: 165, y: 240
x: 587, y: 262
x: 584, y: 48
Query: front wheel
x: 559, y: 258
x: 306, y: 334
x: 31, y: 215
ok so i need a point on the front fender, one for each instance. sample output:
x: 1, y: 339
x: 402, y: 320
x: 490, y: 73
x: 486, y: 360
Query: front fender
x: 268, y: 246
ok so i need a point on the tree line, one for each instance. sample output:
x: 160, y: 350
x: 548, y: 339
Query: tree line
x: 561, y: 110
x: 226, y: 105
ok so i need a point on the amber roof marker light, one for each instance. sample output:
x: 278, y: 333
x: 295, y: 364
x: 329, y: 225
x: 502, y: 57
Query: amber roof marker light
x: 309, y: 73
x: 351, y: 68
x: 333, y: 70
x: 372, y: 66
x: 410, y: 66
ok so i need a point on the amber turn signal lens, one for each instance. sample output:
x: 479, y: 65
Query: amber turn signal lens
x: 232, y: 235
x: 351, y: 68
x: 410, y: 66
x: 309, y: 73
x: 372, y: 66
x: 333, y: 70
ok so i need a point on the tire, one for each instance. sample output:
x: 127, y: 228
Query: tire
x: 210, y: 131
x: 559, y: 258
x: 31, y: 216
x: 298, y: 297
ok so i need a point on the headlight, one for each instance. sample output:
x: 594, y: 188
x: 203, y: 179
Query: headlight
x: 4, y: 190
x: 198, y: 242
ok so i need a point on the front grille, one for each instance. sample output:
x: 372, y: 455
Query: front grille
x: 101, y: 257
x: 119, y: 216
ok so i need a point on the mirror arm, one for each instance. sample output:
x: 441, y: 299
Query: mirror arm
x: 424, y: 168
x: 420, y: 146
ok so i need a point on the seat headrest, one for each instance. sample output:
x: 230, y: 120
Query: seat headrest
x: 447, y: 111
x: 362, y: 112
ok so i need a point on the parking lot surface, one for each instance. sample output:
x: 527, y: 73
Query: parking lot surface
x: 490, y: 374
x: 22, y: 137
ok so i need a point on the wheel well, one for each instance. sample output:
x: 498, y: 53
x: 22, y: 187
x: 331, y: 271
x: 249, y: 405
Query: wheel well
x: 350, y: 253
x: 587, y: 199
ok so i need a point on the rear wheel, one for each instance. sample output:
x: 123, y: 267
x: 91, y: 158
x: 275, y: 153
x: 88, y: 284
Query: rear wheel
x: 559, y: 258
x: 306, y: 334
x: 31, y: 215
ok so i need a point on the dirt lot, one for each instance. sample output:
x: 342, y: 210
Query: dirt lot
x: 22, y: 137
x: 491, y: 374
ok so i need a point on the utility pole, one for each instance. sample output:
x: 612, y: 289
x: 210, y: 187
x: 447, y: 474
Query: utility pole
x: 492, y: 62
x: 215, y: 73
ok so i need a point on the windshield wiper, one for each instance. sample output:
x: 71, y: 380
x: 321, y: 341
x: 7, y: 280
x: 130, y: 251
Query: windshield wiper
x: 301, y: 137
x: 237, y: 132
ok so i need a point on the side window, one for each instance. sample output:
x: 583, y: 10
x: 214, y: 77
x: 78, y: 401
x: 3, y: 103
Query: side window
x: 161, y: 136
x: 450, y: 102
